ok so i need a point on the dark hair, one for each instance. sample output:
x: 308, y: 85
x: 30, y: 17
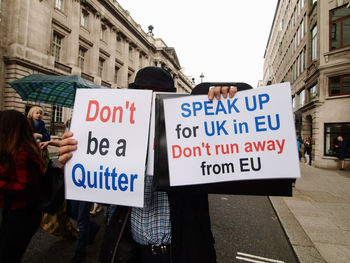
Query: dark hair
x: 15, y: 131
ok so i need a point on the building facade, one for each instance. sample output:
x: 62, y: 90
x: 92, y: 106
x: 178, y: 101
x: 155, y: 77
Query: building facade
x: 309, y: 46
x: 95, y: 39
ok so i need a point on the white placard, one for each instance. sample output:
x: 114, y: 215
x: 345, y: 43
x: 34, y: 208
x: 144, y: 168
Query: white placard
x: 250, y: 136
x: 111, y: 127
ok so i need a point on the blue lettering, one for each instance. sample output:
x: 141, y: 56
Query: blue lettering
x: 277, y: 122
x: 208, y: 107
x: 212, y: 129
x: 263, y: 98
x: 258, y: 123
x: 197, y: 106
x: 114, y: 178
x: 107, y: 174
x: 184, y: 108
x: 220, y: 107
x: 80, y: 183
x: 132, y: 179
x: 123, y: 179
x: 92, y: 185
x: 107, y: 180
x: 247, y: 104
x: 232, y: 106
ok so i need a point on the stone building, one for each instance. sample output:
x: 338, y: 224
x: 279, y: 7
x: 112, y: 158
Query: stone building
x: 309, y: 46
x: 95, y: 39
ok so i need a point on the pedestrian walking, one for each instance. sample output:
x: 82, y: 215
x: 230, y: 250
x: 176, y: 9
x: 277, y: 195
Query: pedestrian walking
x: 342, y: 151
x: 307, y: 147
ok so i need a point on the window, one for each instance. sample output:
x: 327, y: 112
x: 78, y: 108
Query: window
x: 339, y: 26
x: 119, y: 44
x: 56, y: 46
x: 298, y: 66
x: 314, y: 43
x: 293, y: 102
x: 59, y: 4
x: 332, y: 131
x: 101, y: 61
x: 56, y: 113
x: 305, y: 24
x: 81, y: 58
x: 103, y: 32
x: 302, y: 65
x: 116, y: 70
x: 131, y: 55
x: 302, y: 98
x: 302, y: 30
x: 84, y: 15
x: 339, y: 85
x: 313, y: 92
x: 294, y: 16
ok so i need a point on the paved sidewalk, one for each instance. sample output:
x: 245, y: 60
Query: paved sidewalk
x: 317, y: 218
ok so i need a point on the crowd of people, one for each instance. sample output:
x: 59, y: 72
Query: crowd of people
x: 169, y: 228
x: 305, y: 149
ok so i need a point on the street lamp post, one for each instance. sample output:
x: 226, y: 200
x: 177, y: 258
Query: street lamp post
x: 202, y: 77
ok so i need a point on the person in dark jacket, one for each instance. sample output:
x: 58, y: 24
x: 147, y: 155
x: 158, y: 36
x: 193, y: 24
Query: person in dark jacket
x: 21, y: 176
x: 171, y: 227
x: 342, y: 150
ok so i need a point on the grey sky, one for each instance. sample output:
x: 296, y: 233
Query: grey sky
x: 224, y: 39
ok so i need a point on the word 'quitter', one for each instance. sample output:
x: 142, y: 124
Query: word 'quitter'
x: 107, y: 179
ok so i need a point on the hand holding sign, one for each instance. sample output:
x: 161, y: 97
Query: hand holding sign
x: 111, y: 127
x: 250, y: 136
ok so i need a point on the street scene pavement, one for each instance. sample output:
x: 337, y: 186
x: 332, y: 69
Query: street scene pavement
x: 317, y: 218
x: 310, y: 227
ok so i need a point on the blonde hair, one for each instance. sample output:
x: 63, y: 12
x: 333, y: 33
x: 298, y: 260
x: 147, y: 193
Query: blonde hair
x: 31, y: 111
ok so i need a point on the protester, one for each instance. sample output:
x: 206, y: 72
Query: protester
x: 35, y: 114
x: 299, y: 143
x: 342, y: 151
x: 172, y: 227
x: 21, y: 174
x: 307, y: 150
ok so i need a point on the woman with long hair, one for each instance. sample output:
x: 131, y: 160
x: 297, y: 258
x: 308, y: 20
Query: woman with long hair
x: 21, y: 174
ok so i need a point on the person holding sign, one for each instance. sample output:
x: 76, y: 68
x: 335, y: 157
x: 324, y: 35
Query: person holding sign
x: 150, y: 234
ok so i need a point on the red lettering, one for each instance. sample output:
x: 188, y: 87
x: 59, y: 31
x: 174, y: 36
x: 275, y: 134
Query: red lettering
x: 88, y: 117
x: 120, y: 109
x: 132, y: 109
x: 108, y: 110
x: 174, y: 147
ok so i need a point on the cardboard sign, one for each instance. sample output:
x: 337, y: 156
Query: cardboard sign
x: 111, y: 127
x: 248, y: 137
